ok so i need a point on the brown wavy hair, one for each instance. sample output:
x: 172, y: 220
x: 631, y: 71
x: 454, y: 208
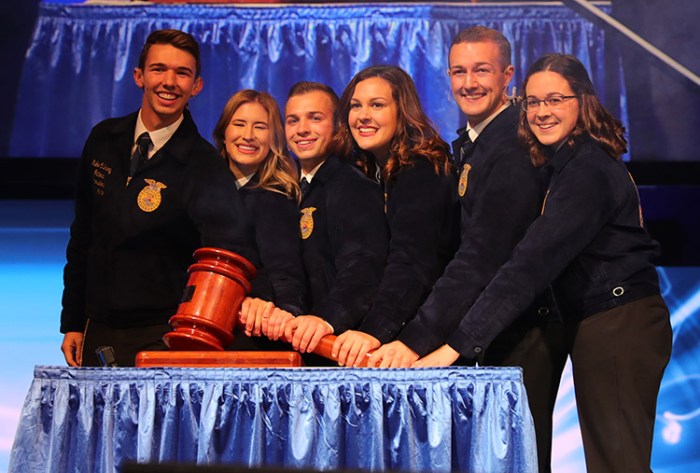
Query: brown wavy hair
x: 593, y: 120
x: 416, y: 135
x: 276, y: 173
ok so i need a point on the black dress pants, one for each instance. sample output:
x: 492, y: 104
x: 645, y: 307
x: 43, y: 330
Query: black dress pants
x: 618, y: 358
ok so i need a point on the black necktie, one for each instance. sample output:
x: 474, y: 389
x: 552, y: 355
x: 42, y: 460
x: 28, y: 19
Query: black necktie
x: 140, y: 156
x: 465, y: 148
x: 304, y: 186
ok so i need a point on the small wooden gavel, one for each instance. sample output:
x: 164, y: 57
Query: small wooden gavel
x: 206, y: 317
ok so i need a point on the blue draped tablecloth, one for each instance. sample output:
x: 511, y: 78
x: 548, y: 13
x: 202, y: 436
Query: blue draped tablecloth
x: 443, y: 419
x: 80, y: 59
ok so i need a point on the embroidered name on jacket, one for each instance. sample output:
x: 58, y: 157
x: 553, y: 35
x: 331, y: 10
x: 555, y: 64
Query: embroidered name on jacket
x: 306, y: 223
x: 150, y: 198
x: 100, y: 171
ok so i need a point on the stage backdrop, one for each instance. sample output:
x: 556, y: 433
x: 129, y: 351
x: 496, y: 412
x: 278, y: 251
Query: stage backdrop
x: 79, y: 64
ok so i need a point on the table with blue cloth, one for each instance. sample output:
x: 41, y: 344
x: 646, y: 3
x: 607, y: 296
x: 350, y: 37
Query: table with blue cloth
x: 436, y: 419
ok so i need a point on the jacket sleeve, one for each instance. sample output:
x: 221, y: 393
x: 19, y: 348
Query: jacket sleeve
x: 576, y: 208
x: 75, y: 272
x: 358, y: 234
x: 419, y: 209
x: 506, y: 198
x: 279, y: 244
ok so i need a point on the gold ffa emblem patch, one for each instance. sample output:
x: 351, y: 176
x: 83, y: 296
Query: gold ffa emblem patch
x: 149, y: 198
x: 306, y: 224
x: 463, y: 179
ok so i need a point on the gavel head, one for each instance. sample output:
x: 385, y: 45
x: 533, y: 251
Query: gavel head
x: 218, y: 282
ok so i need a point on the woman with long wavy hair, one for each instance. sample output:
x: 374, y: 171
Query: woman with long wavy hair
x: 383, y: 129
x: 250, y: 136
x: 590, y: 245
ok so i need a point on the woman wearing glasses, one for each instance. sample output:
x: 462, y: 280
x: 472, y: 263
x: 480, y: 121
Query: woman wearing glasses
x: 590, y: 244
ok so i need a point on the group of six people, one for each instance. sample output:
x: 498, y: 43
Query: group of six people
x: 524, y: 246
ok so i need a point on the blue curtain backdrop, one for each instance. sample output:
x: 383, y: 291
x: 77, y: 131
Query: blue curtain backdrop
x: 79, y: 64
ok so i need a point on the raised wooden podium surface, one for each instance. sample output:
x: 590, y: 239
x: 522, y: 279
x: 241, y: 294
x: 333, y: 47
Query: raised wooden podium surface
x: 219, y: 359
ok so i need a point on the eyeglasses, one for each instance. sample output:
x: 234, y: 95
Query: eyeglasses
x: 552, y: 102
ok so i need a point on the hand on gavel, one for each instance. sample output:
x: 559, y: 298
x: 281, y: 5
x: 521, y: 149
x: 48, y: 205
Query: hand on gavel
x: 276, y: 324
x: 393, y: 355
x: 263, y: 318
x: 254, y: 315
x: 351, y: 347
x: 305, y: 331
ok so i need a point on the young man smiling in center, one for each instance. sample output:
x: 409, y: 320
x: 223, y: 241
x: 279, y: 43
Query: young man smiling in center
x: 343, y: 229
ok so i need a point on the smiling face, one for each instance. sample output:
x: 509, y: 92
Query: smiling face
x: 168, y: 82
x: 478, y: 78
x: 247, y: 139
x: 551, y: 126
x: 373, y: 117
x: 308, y: 126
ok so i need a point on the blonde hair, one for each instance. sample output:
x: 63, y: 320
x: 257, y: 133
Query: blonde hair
x: 277, y: 172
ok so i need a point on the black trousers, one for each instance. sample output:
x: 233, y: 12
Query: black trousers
x: 618, y: 358
x: 126, y: 342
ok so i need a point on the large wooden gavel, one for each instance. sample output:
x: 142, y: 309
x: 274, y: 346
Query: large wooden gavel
x: 218, y: 282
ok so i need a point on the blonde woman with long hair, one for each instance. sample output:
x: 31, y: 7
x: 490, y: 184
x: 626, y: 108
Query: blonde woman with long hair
x: 250, y: 136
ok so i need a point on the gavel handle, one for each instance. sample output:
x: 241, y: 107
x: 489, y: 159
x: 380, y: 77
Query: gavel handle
x: 325, y: 348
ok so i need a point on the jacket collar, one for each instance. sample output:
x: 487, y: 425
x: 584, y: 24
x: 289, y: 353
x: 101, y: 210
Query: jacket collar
x: 568, y: 150
x: 178, y: 146
x: 503, y: 123
x: 329, y: 165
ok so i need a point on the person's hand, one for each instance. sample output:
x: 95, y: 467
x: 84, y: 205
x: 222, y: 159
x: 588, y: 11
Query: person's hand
x: 305, y: 331
x: 72, y: 348
x: 254, y: 314
x: 393, y: 355
x: 277, y: 323
x: 351, y: 347
x: 443, y: 356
